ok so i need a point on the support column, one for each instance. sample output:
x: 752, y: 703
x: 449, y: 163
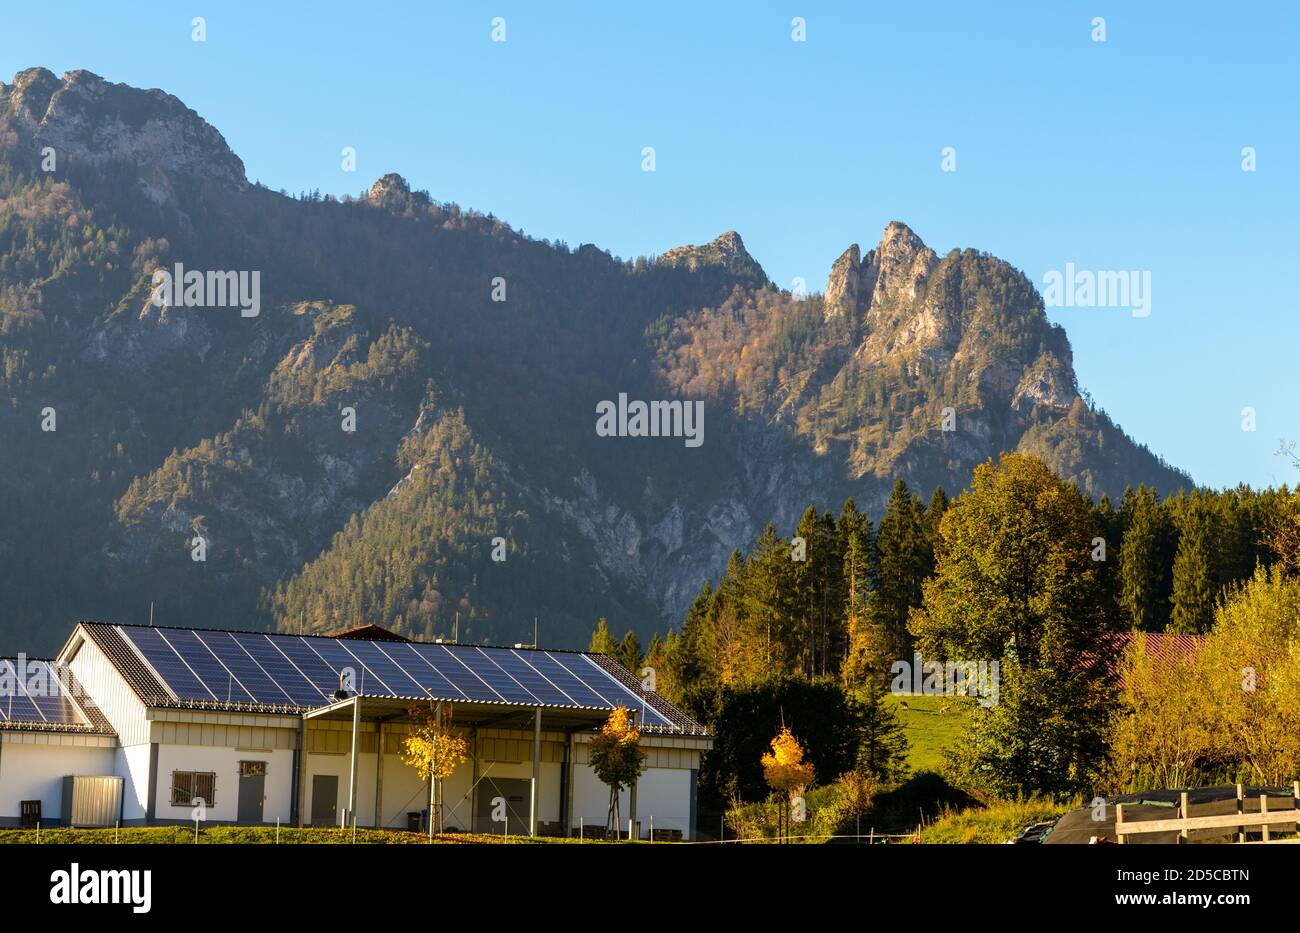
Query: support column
x: 301, y: 776
x: 434, y: 803
x: 631, y: 802
x: 356, y: 747
x: 631, y: 813
x: 379, y: 774
x: 473, y: 778
x: 568, y: 784
x: 537, y: 771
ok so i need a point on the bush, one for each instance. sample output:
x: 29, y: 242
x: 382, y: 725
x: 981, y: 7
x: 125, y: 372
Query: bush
x: 833, y: 810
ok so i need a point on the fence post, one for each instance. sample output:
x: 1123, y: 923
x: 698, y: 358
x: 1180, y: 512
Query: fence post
x: 1185, y: 813
x: 1263, y: 809
x: 1119, y: 821
x: 1295, y: 801
x: 1241, y: 810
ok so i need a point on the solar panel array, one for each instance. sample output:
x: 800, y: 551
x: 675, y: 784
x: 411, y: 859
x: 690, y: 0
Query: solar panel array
x: 32, y: 692
x: 253, y: 668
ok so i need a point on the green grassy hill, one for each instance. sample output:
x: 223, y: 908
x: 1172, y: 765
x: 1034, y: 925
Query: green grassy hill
x: 929, y: 730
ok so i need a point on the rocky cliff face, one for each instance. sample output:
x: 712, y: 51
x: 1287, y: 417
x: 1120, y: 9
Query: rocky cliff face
x: 90, y: 123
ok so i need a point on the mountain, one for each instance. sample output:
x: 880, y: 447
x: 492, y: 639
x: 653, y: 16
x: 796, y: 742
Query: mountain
x: 415, y: 391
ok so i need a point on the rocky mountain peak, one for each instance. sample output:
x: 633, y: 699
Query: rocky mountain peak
x: 899, y: 264
x: 394, y: 192
x: 90, y: 121
x: 726, y: 251
x: 844, y: 286
x: 389, y: 184
x: 896, y: 267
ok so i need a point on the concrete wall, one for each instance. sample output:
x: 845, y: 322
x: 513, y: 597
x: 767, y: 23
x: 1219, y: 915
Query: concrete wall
x: 132, y: 762
x: 661, y: 793
x: 224, y: 763
x: 31, y: 770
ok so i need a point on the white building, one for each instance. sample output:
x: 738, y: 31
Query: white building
x: 265, y: 727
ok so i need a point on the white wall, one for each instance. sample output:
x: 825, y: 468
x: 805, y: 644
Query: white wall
x: 224, y: 762
x: 664, y: 793
x: 404, y: 792
x: 36, y: 772
x: 105, y: 688
x: 132, y: 762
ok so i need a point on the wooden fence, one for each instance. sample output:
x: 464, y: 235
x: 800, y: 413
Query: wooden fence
x: 1261, y: 821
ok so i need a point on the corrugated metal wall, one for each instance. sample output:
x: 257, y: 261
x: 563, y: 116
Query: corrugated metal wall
x: 92, y: 800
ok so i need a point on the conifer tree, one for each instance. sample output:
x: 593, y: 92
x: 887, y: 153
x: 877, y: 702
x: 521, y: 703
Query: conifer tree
x: 1144, y: 571
x: 1194, y: 584
x: 902, y: 562
x: 602, y: 642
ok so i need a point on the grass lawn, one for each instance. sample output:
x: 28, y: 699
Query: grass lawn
x: 928, y: 730
x: 995, y: 823
x: 241, y: 835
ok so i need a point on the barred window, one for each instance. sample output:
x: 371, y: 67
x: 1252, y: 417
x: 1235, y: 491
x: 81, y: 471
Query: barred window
x: 186, y: 785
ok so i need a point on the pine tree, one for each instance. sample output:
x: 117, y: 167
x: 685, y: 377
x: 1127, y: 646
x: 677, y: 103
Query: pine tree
x: 1144, y: 561
x: 882, y: 753
x: 770, y: 642
x: 629, y: 651
x: 903, y: 558
x: 1194, y: 584
x: 602, y: 642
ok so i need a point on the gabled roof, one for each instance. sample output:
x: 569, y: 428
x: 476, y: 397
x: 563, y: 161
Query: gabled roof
x: 281, y: 673
x: 1165, y: 648
x: 38, y: 695
x: 368, y: 633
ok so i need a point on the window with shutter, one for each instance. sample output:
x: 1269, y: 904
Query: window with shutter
x: 189, y: 785
x: 205, y: 786
x: 182, y: 788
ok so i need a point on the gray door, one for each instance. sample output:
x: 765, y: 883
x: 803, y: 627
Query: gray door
x: 513, y: 793
x: 252, y: 792
x: 324, y: 799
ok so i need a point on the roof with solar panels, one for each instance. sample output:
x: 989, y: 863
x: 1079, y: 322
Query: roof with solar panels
x: 269, y: 672
x: 37, y: 695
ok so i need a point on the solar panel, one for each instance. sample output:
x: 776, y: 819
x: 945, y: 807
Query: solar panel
x: 491, y: 674
x: 246, y: 671
x: 323, y: 677
x: 383, y: 668
x: 419, y: 668
x: 278, y: 670
x: 336, y: 655
x: 466, y: 682
x: 533, y: 681
x: 220, y: 681
x: 615, y: 693
x: 32, y: 692
x: 562, y: 677
x: 176, y: 674
x: 286, y: 674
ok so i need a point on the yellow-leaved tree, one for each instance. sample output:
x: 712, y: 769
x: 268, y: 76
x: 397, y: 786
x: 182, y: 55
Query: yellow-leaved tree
x: 435, y: 751
x: 617, y: 759
x: 787, y: 774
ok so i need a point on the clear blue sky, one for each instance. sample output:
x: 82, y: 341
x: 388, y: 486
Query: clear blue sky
x: 1115, y: 155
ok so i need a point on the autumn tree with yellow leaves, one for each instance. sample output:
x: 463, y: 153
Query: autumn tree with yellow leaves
x: 617, y: 759
x: 435, y: 751
x: 786, y: 773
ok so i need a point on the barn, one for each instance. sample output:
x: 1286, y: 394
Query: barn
x: 308, y: 729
